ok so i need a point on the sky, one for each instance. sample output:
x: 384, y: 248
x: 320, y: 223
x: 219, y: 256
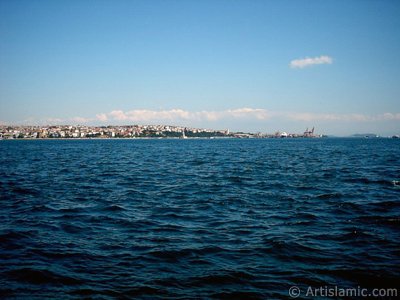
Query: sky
x: 246, y: 65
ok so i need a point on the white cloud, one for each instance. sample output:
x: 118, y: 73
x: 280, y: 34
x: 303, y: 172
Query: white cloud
x: 308, y: 117
x: 144, y: 115
x: 102, y: 117
x: 309, y: 61
x: 208, y: 115
x: 147, y: 115
x: 53, y: 121
x: 41, y: 122
x: 245, y: 113
x: 177, y: 114
x: 117, y: 115
x: 389, y: 116
x: 258, y: 113
x: 80, y: 120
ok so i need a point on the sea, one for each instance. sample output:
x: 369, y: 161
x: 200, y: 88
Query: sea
x: 197, y: 218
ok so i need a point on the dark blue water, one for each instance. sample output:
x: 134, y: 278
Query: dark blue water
x: 197, y: 219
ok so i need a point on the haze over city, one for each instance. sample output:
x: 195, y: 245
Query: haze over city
x: 243, y: 65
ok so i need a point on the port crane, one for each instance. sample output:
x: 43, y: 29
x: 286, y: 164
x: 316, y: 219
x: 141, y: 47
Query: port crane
x: 309, y: 133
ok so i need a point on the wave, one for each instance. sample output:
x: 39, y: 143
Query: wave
x: 40, y: 277
x: 242, y: 219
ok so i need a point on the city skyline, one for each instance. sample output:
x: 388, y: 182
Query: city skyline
x: 245, y: 65
x: 139, y: 131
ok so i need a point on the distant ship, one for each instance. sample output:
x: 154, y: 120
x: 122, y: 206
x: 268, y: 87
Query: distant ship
x: 183, y: 134
x: 284, y: 135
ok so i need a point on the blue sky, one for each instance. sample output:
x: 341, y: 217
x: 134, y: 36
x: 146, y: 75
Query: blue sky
x: 244, y: 65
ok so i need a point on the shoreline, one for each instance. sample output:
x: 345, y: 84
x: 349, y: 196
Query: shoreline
x: 193, y: 138
x: 117, y: 138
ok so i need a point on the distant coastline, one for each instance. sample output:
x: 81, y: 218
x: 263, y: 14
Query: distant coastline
x: 133, y: 132
x: 81, y: 132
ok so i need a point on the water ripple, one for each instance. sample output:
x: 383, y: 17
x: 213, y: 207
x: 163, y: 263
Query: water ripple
x: 197, y: 219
